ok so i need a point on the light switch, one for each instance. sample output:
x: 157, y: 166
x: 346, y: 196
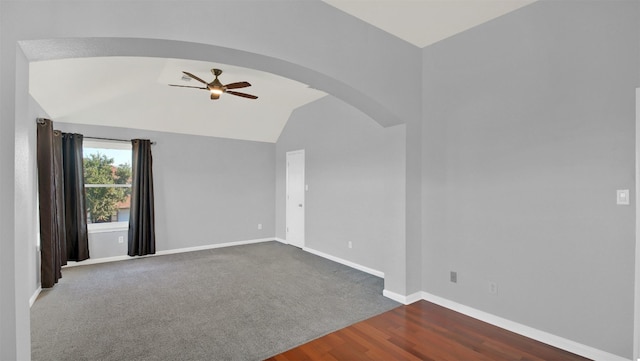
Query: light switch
x: 622, y: 197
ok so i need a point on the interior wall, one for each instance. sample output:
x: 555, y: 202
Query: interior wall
x: 29, y: 203
x: 355, y: 171
x: 349, y: 59
x: 207, y: 190
x: 636, y: 347
x: 22, y: 223
x: 529, y: 131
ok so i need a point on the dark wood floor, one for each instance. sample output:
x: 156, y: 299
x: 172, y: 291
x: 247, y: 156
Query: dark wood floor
x: 424, y: 331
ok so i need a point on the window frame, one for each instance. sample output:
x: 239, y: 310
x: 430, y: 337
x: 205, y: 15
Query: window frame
x: 106, y: 144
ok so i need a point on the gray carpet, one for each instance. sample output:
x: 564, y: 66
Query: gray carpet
x: 238, y: 303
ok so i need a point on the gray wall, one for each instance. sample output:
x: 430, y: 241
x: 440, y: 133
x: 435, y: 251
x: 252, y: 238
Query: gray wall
x: 207, y: 190
x: 29, y: 204
x: 106, y: 244
x: 356, y: 176
x: 349, y: 59
x: 18, y: 193
x: 536, y: 66
x: 528, y: 131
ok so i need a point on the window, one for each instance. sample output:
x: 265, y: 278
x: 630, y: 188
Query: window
x: 107, y: 177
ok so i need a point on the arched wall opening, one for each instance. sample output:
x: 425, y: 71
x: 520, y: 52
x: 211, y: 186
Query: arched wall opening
x: 49, y: 49
x: 41, y: 50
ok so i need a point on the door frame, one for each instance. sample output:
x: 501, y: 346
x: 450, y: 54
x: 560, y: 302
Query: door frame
x: 636, y: 326
x: 286, y: 195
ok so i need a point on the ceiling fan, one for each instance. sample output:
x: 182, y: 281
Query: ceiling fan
x: 216, y: 88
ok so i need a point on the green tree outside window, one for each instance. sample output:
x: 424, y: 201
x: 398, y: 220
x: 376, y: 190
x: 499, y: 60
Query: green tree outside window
x: 102, y: 202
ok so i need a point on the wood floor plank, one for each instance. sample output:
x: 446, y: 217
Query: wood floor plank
x: 375, y: 336
x: 319, y: 350
x: 280, y: 357
x: 427, y: 332
x: 374, y: 350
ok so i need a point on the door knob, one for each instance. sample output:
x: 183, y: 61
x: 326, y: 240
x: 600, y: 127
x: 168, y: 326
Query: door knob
x: 300, y: 205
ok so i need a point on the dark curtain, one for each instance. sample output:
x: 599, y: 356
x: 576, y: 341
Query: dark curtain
x: 50, y: 184
x: 142, y: 237
x: 58, y: 161
x: 77, y: 246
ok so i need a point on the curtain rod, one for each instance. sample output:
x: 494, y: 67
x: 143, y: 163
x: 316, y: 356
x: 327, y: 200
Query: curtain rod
x: 112, y: 139
x: 43, y: 120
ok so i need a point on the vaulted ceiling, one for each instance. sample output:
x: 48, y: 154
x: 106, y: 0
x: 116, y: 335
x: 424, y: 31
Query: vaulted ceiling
x: 133, y: 92
x: 424, y: 22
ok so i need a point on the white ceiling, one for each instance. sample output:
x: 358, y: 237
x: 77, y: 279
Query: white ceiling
x: 424, y: 22
x: 132, y: 92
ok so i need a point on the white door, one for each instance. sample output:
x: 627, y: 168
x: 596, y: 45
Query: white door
x: 295, y: 198
x: 636, y: 346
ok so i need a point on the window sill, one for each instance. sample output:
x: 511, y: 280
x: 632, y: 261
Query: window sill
x: 107, y: 227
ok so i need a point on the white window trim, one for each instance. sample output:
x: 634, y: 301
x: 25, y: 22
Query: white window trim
x: 107, y: 227
x: 107, y: 185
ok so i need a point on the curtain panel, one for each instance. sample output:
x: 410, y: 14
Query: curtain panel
x: 63, y: 215
x: 75, y: 208
x: 52, y: 235
x: 142, y: 238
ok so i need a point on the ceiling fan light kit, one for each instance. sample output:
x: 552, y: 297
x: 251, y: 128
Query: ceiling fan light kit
x: 216, y: 88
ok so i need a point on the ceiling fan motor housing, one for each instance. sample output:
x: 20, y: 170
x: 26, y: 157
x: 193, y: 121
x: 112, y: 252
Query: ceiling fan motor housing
x: 216, y: 88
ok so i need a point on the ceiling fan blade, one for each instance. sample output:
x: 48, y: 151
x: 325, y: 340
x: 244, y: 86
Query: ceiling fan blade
x: 215, y: 96
x: 189, y: 86
x: 240, y: 84
x: 195, y: 77
x: 245, y: 95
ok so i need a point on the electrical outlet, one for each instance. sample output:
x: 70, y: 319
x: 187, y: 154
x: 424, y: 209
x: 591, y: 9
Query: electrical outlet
x: 453, y: 277
x: 121, y: 239
x: 259, y: 225
x: 493, y: 288
x: 350, y: 244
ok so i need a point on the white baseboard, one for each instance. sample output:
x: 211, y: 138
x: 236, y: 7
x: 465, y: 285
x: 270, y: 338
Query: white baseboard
x: 359, y: 267
x: 362, y: 268
x: 212, y: 246
x: 395, y: 296
x: 542, y: 336
x: 35, y: 295
x: 228, y: 244
x: 538, y: 335
x: 166, y: 252
x: 98, y: 260
x: 405, y: 300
